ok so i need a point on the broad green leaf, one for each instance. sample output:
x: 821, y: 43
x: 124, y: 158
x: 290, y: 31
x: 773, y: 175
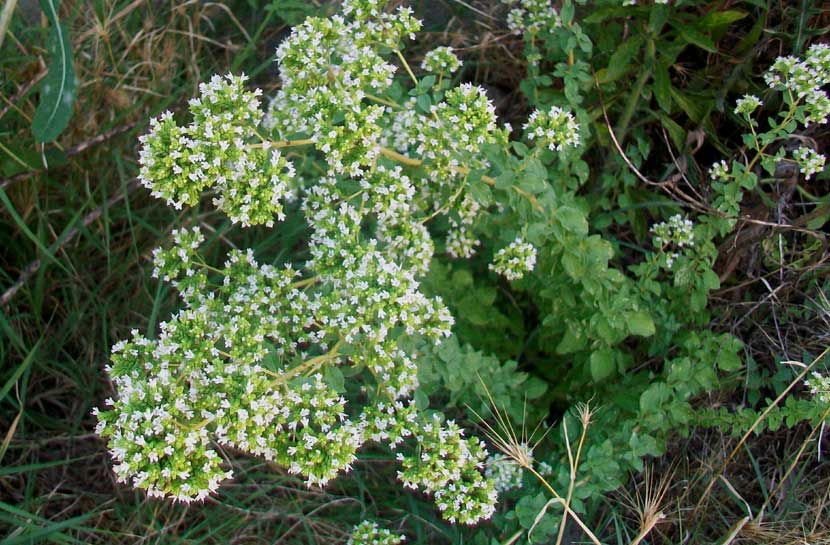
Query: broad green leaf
x: 58, y: 88
x: 424, y: 103
x: 333, y: 376
x: 640, y: 323
x: 697, y: 38
x: 572, y: 219
x: 505, y: 179
x: 572, y: 341
x: 728, y: 359
x: 567, y: 12
x: 653, y: 398
x: 421, y: 399
x: 602, y: 364
x: 620, y: 61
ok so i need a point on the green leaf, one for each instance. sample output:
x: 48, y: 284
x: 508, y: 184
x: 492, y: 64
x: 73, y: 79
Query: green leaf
x: 567, y: 13
x: 697, y: 38
x: 657, y: 17
x: 710, y: 280
x: 620, y: 61
x: 334, y: 378
x: 602, y: 364
x: 293, y: 12
x: 662, y: 87
x: 653, y: 398
x: 58, y: 88
x: 676, y: 132
x: 572, y: 219
x: 729, y: 361
x: 427, y: 82
x: 534, y: 177
x: 424, y: 103
x: 640, y: 323
x: 693, y: 106
x: 718, y: 19
x: 572, y: 341
x: 481, y: 192
x: 520, y: 149
x: 573, y: 264
x: 421, y: 399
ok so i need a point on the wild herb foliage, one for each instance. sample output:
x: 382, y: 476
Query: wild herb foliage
x: 389, y: 247
x: 599, y: 312
x: 392, y: 162
x: 253, y: 362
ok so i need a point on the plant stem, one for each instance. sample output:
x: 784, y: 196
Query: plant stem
x: 395, y: 156
x: 384, y: 101
x: 406, y: 66
x: 306, y: 282
x: 283, y: 143
x: 313, y: 363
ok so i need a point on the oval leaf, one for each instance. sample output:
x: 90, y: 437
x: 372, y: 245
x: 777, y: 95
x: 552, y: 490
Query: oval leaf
x: 58, y: 88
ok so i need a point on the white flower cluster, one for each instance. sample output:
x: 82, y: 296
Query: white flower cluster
x: 179, y: 163
x: 514, y: 260
x: 554, y: 128
x: 369, y: 533
x: 819, y: 386
x: 461, y: 241
x: 803, y: 80
x: 531, y: 16
x: 461, y: 124
x: 450, y: 467
x: 441, y: 60
x: 678, y: 232
x: 747, y: 104
x: 719, y: 171
x: 401, y: 127
x: 505, y: 473
x: 809, y: 161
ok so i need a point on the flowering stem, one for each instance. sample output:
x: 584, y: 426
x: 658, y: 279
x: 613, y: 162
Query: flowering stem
x: 764, y: 147
x: 306, y: 282
x: 394, y: 155
x: 208, y: 267
x: 446, y: 205
x: 310, y: 364
x: 384, y: 101
x: 406, y: 66
x: 284, y: 143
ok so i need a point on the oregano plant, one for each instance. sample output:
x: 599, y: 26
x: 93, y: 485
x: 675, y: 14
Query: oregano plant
x: 372, y: 157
